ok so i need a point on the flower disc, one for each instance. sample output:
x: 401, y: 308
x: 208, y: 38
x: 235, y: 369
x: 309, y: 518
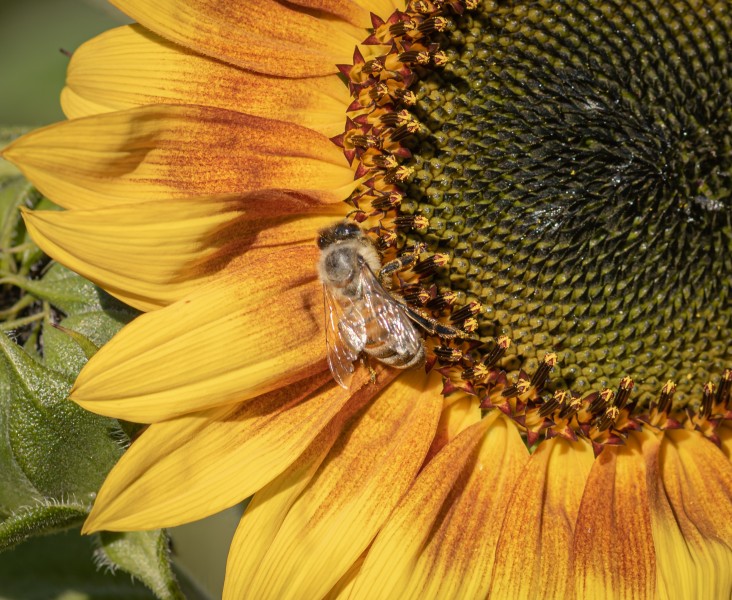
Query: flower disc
x: 574, y: 163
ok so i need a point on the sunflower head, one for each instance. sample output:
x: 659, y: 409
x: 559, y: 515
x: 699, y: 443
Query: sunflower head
x: 566, y: 167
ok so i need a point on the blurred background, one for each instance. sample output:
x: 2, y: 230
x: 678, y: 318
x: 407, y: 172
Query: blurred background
x: 33, y: 34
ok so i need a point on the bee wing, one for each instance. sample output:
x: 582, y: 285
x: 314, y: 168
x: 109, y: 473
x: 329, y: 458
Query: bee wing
x: 387, y: 318
x: 345, y: 336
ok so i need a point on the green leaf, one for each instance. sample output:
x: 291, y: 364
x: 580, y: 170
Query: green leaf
x: 65, y: 350
x: 47, y: 518
x: 68, y: 291
x: 61, y: 567
x: 143, y: 554
x: 54, y: 450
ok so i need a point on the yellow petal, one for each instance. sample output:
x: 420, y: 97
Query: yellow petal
x: 534, y: 555
x: 440, y: 541
x: 75, y: 106
x: 254, y: 329
x: 260, y: 35
x: 613, y: 545
x: 193, y: 466
x: 351, y: 11
x: 725, y: 439
x: 383, y: 8
x: 697, y: 480
x: 152, y: 254
x: 459, y: 412
x: 336, y: 516
x: 130, y: 66
x: 169, y: 151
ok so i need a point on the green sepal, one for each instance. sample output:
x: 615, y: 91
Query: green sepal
x: 143, y: 554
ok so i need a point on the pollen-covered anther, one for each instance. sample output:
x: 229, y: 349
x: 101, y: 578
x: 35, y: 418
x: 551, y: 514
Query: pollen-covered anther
x: 386, y: 239
x: 417, y: 222
x: 472, y: 309
x: 477, y: 372
x: 378, y: 91
x: 518, y: 389
x: 705, y: 410
x: 470, y: 325
x: 415, y: 57
x: 387, y: 202
x: 607, y: 419
x: 471, y: 4
x: 415, y: 294
x: 383, y: 161
x: 658, y: 415
x: 364, y: 141
x: 554, y: 404
x: 498, y: 351
x: 542, y: 373
x: 431, y: 264
x: 421, y: 7
x: 433, y: 24
x: 440, y: 58
x: 373, y: 66
x: 442, y: 301
x: 446, y: 354
x: 624, y: 390
x: 407, y: 97
x: 724, y: 391
x: 399, y: 175
x: 402, y: 28
x: 395, y: 119
x: 601, y: 401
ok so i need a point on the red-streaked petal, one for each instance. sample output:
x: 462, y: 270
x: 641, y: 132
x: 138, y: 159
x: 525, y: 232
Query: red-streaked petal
x: 260, y: 35
x: 335, y: 518
x: 169, y: 151
x: 534, y: 555
x: 440, y: 541
x: 351, y: 11
x: 613, y: 545
x: 130, y: 66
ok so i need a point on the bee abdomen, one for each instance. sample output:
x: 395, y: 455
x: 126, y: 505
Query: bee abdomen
x: 399, y: 360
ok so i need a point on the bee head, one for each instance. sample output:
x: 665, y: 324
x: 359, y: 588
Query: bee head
x: 340, y: 232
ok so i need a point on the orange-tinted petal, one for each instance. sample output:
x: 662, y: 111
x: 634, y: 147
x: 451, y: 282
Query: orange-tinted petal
x: 351, y: 11
x: 440, y: 541
x: 613, y: 545
x: 169, y: 151
x: 534, y: 555
x: 697, y: 480
x: 459, y: 412
x: 333, y: 520
x: 152, y: 254
x: 130, y: 66
x: 192, y: 466
x: 260, y: 35
x: 254, y: 329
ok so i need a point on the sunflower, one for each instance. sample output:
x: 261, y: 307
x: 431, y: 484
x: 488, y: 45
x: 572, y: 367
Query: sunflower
x: 553, y: 182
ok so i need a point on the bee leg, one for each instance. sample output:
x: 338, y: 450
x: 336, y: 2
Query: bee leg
x: 435, y: 327
x: 372, y: 372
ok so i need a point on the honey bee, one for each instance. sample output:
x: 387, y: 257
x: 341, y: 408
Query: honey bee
x: 360, y: 314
